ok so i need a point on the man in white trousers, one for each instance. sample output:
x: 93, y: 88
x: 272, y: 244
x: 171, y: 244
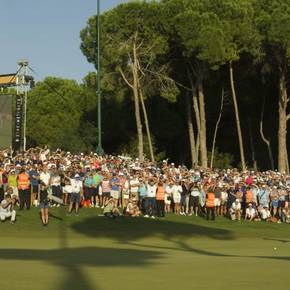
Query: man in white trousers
x: 6, y: 209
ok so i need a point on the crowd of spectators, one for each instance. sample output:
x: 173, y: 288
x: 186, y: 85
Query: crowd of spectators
x: 122, y: 185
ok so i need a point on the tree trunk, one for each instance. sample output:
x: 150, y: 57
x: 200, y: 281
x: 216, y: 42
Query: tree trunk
x: 242, y: 155
x: 197, y: 115
x: 137, y: 105
x: 146, y: 125
x: 202, y: 135
x: 264, y: 138
x: 282, y: 137
x: 190, y: 131
x: 255, y: 166
x: 197, y: 118
x: 216, y: 129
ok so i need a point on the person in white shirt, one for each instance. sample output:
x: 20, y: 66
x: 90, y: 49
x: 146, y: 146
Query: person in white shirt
x: 235, y: 210
x: 45, y: 176
x: 151, y: 199
x: 6, y: 209
x: 176, y: 195
x: 134, y: 186
x: 77, y: 191
x: 194, y: 199
x: 264, y: 213
x: 168, y: 197
x: 251, y: 213
x: 55, y: 183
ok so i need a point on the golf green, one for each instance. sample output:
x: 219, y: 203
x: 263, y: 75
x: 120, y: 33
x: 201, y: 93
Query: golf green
x: 91, y: 252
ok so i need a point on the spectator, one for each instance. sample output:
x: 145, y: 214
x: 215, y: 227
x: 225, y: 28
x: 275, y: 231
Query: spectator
x: 176, y: 195
x: 235, y: 210
x: 34, y: 181
x: 132, y: 208
x: 6, y: 209
x: 115, y: 188
x: 23, y: 189
x: 75, y: 196
x: 110, y: 209
x: 150, y: 206
x: 194, y: 199
x: 210, y: 206
x: 43, y: 203
x: 160, y: 195
x: 251, y: 213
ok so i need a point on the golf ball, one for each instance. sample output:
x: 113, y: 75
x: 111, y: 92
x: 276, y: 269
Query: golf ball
x: 275, y: 249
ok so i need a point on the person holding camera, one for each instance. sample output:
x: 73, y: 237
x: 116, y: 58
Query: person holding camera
x: 6, y: 208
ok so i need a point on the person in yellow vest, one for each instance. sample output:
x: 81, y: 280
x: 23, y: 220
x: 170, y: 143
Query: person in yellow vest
x: 210, y: 205
x: 160, y: 196
x: 23, y: 184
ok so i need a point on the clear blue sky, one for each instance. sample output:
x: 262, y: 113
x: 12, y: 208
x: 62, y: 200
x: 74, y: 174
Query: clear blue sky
x: 46, y: 32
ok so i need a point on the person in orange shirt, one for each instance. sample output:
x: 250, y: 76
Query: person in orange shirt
x: 23, y: 185
x: 160, y: 196
x: 210, y: 206
x: 249, y: 196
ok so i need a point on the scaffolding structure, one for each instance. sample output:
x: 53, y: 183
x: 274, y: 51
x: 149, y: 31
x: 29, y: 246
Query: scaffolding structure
x: 21, y: 81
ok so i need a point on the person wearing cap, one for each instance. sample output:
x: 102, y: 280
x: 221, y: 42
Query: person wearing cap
x: 263, y: 195
x: 110, y: 210
x: 34, y: 181
x: 23, y: 184
x: 6, y: 208
x: 132, y: 208
x: 142, y: 192
x: 12, y: 182
x: 176, y: 195
x: 194, y: 199
x: 160, y: 195
x: 251, y: 212
x: 106, y: 189
x: 150, y: 207
x: 274, y: 197
x: 264, y: 213
x: 88, y: 184
x: 209, y: 203
x: 168, y: 196
x: 115, y: 188
x: 75, y: 196
x: 96, y: 199
x: 55, y: 183
x: 235, y: 210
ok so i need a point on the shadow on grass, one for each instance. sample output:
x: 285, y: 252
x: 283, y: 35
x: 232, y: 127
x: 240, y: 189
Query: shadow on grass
x: 283, y: 241
x: 132, y: 229
x: 72, y: 261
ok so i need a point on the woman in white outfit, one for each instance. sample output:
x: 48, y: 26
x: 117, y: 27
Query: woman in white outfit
x: 176, y: 195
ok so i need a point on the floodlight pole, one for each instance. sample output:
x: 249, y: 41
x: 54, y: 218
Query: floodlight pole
x: 100, y: 149
x: 22, y: 89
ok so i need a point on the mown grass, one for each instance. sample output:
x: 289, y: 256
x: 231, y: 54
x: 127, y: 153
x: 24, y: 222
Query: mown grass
x: 92, y: 252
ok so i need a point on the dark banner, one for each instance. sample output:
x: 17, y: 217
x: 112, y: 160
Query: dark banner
x: 5, y: 121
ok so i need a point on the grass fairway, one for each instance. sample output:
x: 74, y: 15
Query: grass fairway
x: 94, y: 253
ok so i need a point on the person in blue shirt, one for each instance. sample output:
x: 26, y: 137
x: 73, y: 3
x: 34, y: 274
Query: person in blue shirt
x: 88, y: 188
x: 142, y: 190
x: 115, y: 188
x: 263, y: 196
x: 34, y: 182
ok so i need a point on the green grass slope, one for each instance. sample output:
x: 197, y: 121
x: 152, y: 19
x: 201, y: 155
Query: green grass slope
x: 90, y: 252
